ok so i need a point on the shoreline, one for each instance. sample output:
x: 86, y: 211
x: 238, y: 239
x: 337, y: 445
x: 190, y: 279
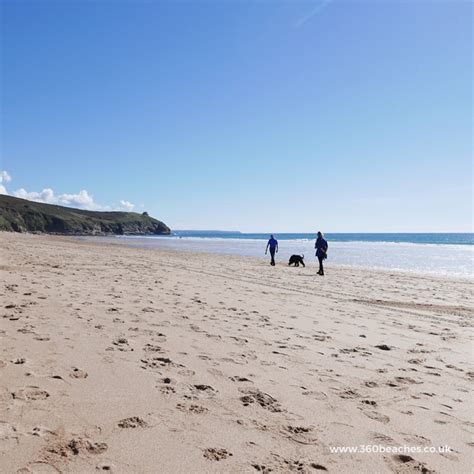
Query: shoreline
x: 310, y: 262
x: 116, y: 358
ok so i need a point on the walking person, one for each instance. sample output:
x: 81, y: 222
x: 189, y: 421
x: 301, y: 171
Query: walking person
x: 321, y: 247
x: 273, y: 245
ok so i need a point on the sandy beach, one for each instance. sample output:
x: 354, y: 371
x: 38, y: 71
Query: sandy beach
x: 129, y: 360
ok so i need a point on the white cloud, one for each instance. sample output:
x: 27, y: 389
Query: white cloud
x: 4, y: 178
x: 81, y: 200
x: 126, y: 205
x: 47, y: 195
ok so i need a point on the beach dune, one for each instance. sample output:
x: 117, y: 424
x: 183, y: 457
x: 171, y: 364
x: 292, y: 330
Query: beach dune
x: 131, y: 360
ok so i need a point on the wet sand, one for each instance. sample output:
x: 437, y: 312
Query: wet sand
x: 128, y: 360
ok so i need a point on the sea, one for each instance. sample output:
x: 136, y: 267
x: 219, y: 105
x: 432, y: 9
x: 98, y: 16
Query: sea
x: 442, y: 254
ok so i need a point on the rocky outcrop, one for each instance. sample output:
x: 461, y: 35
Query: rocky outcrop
x: 20, y: 215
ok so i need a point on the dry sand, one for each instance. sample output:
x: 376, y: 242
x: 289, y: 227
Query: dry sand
x: 130, y: 360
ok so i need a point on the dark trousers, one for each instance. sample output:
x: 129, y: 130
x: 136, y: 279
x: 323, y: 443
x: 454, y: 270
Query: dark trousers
x: 321, y: 269
x: 272, y: 254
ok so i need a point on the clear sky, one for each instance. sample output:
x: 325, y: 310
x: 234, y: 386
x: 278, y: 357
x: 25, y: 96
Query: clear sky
x: 339, y: 115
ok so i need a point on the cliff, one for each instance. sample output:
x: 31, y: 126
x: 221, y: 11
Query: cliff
x: 20, y: 215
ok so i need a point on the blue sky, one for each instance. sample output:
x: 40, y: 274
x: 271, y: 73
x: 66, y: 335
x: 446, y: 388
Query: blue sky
x: 244, y: 115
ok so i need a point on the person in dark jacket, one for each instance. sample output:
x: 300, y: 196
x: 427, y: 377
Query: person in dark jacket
x: 321, y: 247
x: 273, y: 245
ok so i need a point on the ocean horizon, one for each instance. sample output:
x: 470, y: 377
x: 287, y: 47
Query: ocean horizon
x: 441, y: 238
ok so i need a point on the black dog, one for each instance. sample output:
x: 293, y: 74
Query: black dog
x: 296, y: 260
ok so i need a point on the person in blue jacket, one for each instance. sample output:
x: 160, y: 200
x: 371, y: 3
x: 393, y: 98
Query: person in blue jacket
x: 321, y: 247
x: 273, y: 245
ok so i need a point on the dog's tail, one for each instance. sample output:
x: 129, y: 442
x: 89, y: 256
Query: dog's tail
x: 302, y: 256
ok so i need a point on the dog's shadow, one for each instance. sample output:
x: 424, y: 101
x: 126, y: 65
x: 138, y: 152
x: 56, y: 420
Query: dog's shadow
x: 302, y: 275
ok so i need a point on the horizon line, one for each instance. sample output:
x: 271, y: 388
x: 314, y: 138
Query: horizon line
x: 315, y: 232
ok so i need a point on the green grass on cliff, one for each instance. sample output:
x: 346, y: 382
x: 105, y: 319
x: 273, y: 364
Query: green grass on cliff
x: 20, y: 215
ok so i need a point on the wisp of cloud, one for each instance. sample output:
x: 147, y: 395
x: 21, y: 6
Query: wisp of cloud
x: 320, y: 6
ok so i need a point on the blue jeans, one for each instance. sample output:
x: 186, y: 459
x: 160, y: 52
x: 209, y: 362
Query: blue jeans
x: 272, y: 254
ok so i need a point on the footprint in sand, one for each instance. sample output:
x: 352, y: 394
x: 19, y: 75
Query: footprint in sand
x: 263, y: 399
x: 158, y: 362
x: 372, y: 403
x: 318, y: 467
x: 132, y: 422
x: 121, y: 343
x: 250, y: 355
x: 321, y: 337
x: 192, y: 408
x: 42, y: 467
x: 315, y: 394
x: 262, y: 468
x: 78, y: 373
x: 106, y: 466
x: 418, y: 440
x: 239, y: 340
x: 406, y: 380
x: 30, y: 393
x: 349, y: 393
x: 204, y: 388
x: 216, y: 454
x: 188, y: 372
x: 402, y: 463
x: 77, y: 446
x: 155, y: 335
x: 27, y: 329
x: 383, y: 347
x: 233, y: 361
x: 42, y: 431
x: 281, y: 464
x: 167, y: 390
x: 382, y: 438
x: 237, y: 378
x: 152, y: 348
x: 195, y: 392
x: 8, y: 433
x: 470, y: 376
x: 375, y: 415
x: 253, y: 424
x: 216, y: 372
x: 450, y: 366
x: 299, y: 434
